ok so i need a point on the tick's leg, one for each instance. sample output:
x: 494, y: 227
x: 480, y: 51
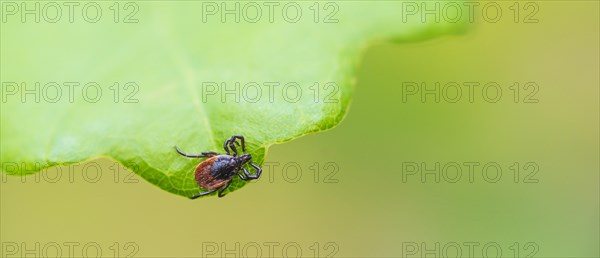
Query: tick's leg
x: 203, y: 194
x: 246, y: 175
x: 225, y: 147
x: 229, y: 144
x: 203, y: 155
x: 250, y: 176
x: 242, y: 141
x: 223, y: 189
x: 229, y: 147
x: 232, y: 147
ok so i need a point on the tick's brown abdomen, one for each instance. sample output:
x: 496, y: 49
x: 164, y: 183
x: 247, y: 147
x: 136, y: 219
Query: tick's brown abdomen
x: 205, y: 179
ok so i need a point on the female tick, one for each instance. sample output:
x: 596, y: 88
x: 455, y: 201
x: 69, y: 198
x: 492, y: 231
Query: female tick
x: 216, y: 172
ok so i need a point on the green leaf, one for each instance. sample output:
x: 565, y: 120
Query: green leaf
x: 155, y: 78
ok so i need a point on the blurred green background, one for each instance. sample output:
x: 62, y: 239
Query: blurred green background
x: 366, y: 208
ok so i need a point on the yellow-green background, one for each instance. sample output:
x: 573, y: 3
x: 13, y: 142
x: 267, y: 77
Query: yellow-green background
x: 370, y: 211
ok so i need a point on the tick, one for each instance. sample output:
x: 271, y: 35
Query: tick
x: 217, y: 172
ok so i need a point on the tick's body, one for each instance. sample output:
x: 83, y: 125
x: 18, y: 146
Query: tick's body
x: 209, y: 178
x: 217, y: 172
